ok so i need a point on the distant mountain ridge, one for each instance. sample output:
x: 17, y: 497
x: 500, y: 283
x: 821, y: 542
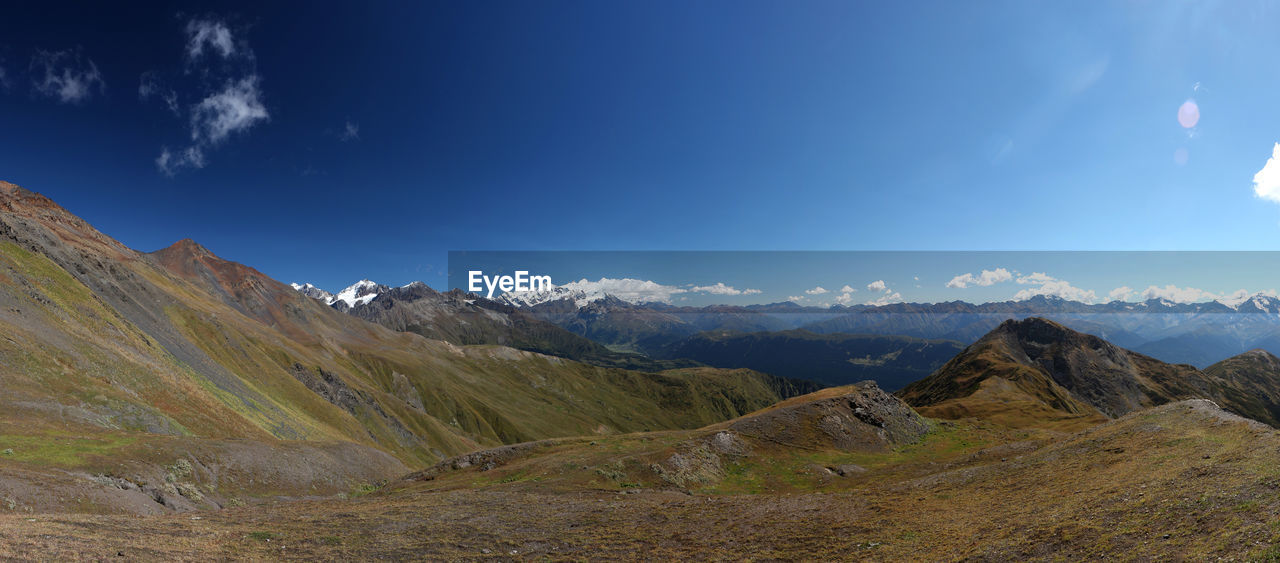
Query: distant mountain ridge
x: 1196, y: 333
x: 468, y: 319
x: 1156, y: 326
x: 831, y: 359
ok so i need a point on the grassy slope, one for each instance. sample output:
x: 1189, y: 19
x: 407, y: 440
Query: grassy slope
x: 1183, y: 480
x: 1250, y: 385
x: 104, y: 342
x: 988, y: 382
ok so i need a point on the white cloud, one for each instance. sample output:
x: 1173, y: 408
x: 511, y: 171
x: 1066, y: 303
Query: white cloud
x: 720, y: 288
x: 1178, y: 294
x: 1038, y: 278
x: 1236, y: 298
x: 795, y: 298
x: 886, y: 299
x: 1121, y: 293
x: 149, y: 86
x: 64, y: 76
x: 351, y: 132
x: 1057, y: 288
x: 816, y: 291
x: 877, y: 285
x: 984, y: 279
x: 202, y: 34
x: 237, y: 107
x: 170, y: 163
x: 628, y: 289
x: 846, y: 295
x: 229, y: 93
x: 1266, y: 183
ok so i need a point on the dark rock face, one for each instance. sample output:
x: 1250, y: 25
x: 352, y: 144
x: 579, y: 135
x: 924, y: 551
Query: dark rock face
x: 482, y: 460
x: 329, y: 386
x: 355, y: 401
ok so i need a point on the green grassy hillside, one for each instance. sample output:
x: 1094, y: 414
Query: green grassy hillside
x: 114, y: 345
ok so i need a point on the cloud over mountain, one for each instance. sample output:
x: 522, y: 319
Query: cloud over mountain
x: 1121, y: 293
x: 984, y: 278
x: 1177, y: 294
x: 1053, y: 287
x: 719, y: 288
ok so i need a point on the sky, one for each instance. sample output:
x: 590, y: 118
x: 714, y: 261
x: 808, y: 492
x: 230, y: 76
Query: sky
x: 826, y: 278
x: 326, y: 143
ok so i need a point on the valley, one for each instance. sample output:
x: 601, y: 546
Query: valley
x: 1181, y: 480
x: 177, y: 405
x: 639, y: 281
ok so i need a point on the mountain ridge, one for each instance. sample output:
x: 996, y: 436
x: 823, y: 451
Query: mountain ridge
x: 1036, y: 371
x: 174, y: 349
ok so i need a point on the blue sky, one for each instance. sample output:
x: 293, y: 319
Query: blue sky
x: 339, y: 142
x: 824, y: 278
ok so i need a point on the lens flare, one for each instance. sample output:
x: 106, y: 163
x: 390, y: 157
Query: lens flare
x: 1189, y: 114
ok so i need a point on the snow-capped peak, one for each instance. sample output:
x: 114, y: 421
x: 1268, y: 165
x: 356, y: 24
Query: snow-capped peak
x: 313, y: 292
x: 581, y: 297
x: 358, y: 293
x: 1261, y: 301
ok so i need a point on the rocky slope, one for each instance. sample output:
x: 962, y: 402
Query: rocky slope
x: 1036, y: 371
x: 859, y: 418
x: 1250, y: 384
x: 1185, y: 480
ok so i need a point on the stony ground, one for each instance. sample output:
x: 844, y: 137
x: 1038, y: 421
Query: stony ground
x: 1184, y: 481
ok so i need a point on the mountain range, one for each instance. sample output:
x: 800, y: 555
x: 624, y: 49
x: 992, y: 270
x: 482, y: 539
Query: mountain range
x: 410, y: 423
x: 181, y: 357
x: 603, y: 329
x: 1196, y: 333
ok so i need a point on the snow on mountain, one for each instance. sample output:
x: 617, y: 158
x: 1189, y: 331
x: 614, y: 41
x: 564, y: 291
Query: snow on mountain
x: 580, y: 297
x: 581, y: 294
x: 358, y: 293
x: 313, y: 292
x: 586, y: 292
x: 1260, y: 301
